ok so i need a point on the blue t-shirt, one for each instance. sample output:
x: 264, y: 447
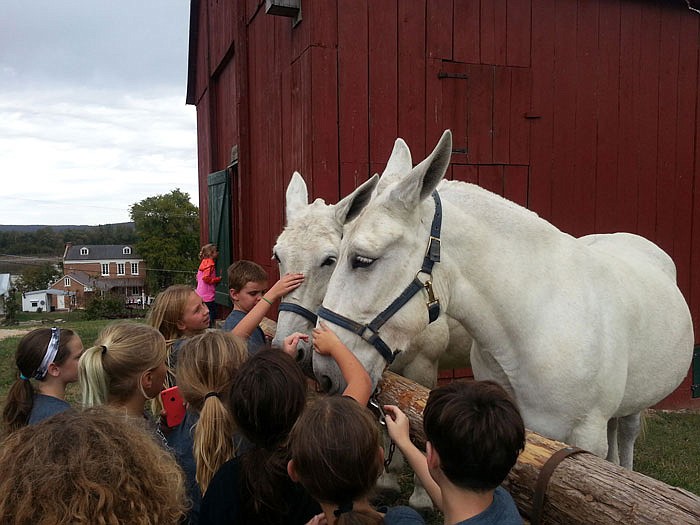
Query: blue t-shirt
x: 256, y: 340
x: 46, y: 406
x: 401, y: 516
x: 502, y: 511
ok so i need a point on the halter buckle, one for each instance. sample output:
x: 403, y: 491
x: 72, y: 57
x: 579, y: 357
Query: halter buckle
x: 432, y: 251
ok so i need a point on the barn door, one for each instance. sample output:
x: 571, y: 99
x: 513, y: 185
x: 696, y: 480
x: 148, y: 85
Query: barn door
x: 486, y: 107
x: 220, y: 228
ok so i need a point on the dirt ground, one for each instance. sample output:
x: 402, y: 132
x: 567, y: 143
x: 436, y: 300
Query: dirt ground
x: 5, y: 333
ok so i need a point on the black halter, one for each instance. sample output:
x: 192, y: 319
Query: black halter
x: 370, y: 331
x: 299, y: 310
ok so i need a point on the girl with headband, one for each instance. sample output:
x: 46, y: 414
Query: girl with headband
x: 47, y: 361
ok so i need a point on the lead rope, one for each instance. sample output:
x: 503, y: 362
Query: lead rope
x: 376, y: 407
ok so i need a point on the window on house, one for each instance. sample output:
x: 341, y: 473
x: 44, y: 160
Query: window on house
x: 105, y: 268
x: 134, y: 268
x: 135, y: 290
x: 126, y: 250
x: 84, y: 251
x: 66, y: 281
x: 121, y: 269
x: 35, y: 304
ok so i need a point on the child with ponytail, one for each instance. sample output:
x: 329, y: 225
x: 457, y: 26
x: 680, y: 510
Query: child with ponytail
x: 205, y: 440
x: 336, y: 455
x: 47, y: 361
x: 124, y: 369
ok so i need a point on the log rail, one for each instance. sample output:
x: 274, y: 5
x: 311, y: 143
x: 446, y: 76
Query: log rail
x: 582, y: 489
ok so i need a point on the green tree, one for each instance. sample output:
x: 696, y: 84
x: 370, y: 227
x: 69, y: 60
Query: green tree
x: 38, y: 277
x: 11, y: 306
x: 167, y: 237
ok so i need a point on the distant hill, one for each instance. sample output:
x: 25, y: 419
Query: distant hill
x: 35, y: 227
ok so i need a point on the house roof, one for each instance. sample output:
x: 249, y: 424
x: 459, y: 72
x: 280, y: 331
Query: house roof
x: 49, y: 292
x: 99, y: 251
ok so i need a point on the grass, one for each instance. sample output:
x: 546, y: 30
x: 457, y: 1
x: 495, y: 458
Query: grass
x: 668, y: 450
x: 87, y: 330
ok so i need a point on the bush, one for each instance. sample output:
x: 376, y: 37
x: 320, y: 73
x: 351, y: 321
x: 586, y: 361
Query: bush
x: 109, y: 306
x: 12, y: 307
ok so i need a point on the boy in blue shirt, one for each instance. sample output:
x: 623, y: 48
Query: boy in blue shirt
x: 474, y: 435
x: 252, y: 299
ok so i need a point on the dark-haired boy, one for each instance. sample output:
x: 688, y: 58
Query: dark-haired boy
x: 474, y: 434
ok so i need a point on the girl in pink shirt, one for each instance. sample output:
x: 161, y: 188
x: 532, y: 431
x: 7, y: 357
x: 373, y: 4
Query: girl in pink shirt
x: 207, y: 279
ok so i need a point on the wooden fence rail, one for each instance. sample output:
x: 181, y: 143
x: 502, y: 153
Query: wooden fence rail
x: 582, y: 489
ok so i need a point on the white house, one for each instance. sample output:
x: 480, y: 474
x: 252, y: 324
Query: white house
x: 39, y: 300
x: 5, y: 285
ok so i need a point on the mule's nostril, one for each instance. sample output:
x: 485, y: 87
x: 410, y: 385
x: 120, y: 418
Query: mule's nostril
x: 325, y: 383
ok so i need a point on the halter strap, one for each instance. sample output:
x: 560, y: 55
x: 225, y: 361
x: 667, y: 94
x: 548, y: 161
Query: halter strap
x: 432, y: 255
x: 299, y: 310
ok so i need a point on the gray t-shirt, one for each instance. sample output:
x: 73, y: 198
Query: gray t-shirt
x: 46, y: 406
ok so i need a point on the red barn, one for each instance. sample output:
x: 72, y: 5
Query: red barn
x: 584, y: 111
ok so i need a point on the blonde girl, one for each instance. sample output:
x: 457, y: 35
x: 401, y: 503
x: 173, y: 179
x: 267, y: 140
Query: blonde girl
x: 205, y: 439
x: 47, y: 361
x: 177, y: 313
x: 125, y: 368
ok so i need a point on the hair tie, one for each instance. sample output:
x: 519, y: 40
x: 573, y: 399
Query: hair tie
x: 23, y: 377
x: 210, y: 394
x: 104, y: 349
x: 343, y: 508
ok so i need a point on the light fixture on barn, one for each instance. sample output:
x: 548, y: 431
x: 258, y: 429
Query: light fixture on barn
x: 288, y: 8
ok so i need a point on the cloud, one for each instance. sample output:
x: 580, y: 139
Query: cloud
x: 92, y: 112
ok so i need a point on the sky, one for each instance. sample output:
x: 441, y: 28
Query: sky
x: 92, y: 108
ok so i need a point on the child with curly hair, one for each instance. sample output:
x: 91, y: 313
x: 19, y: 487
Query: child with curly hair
x: 88, y: 466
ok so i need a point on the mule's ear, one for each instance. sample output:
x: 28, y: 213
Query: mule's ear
x: 425, y: 177
x: 349, y: 207
x: 398, y: 165
x: 297, y: 196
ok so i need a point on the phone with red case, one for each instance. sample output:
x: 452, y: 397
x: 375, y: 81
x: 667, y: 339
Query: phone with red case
x: 173, y: 405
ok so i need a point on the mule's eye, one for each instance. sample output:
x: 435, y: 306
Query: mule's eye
x: 361, y: 262
x: 330, y: 261
x: 275, y: 257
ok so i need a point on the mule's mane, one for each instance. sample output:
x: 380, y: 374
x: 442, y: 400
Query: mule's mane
x: 491, y: 208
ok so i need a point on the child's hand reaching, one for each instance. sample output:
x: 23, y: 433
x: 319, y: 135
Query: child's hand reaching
x: 286, y: 284
x: 397, y: 425
x: 325, y: 340
x: 291, y: 341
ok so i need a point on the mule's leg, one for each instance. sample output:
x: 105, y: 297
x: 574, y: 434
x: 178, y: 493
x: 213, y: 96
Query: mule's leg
x: 627, y: 435
x: 613, y: 454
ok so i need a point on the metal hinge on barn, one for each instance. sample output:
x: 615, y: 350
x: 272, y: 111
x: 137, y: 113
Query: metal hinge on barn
x: 695, y: 388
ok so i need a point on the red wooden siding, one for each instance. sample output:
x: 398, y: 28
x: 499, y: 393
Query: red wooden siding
x: 584, y: 111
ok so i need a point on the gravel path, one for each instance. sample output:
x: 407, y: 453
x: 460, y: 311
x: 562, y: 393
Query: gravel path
x: 5, y: 333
